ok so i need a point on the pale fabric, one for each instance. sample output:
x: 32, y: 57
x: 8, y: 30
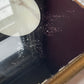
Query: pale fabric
x: 25, y: 19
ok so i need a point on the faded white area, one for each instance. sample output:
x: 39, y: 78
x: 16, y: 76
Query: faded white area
x: 4, y: 3
x: 5, y: 9
x: 19, y: 18
x: 9, y: 47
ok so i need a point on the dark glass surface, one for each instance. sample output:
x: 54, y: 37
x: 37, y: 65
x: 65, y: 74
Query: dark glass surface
x: 64, y: 32
x: 21, y: 54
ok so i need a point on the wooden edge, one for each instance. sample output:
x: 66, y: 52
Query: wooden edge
x: 80, y: 4
x: 70, y: 70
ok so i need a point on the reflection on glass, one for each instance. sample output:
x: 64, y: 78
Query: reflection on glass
x: 5, y: 9
x: 19, y: 16
x: 9, y: 47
